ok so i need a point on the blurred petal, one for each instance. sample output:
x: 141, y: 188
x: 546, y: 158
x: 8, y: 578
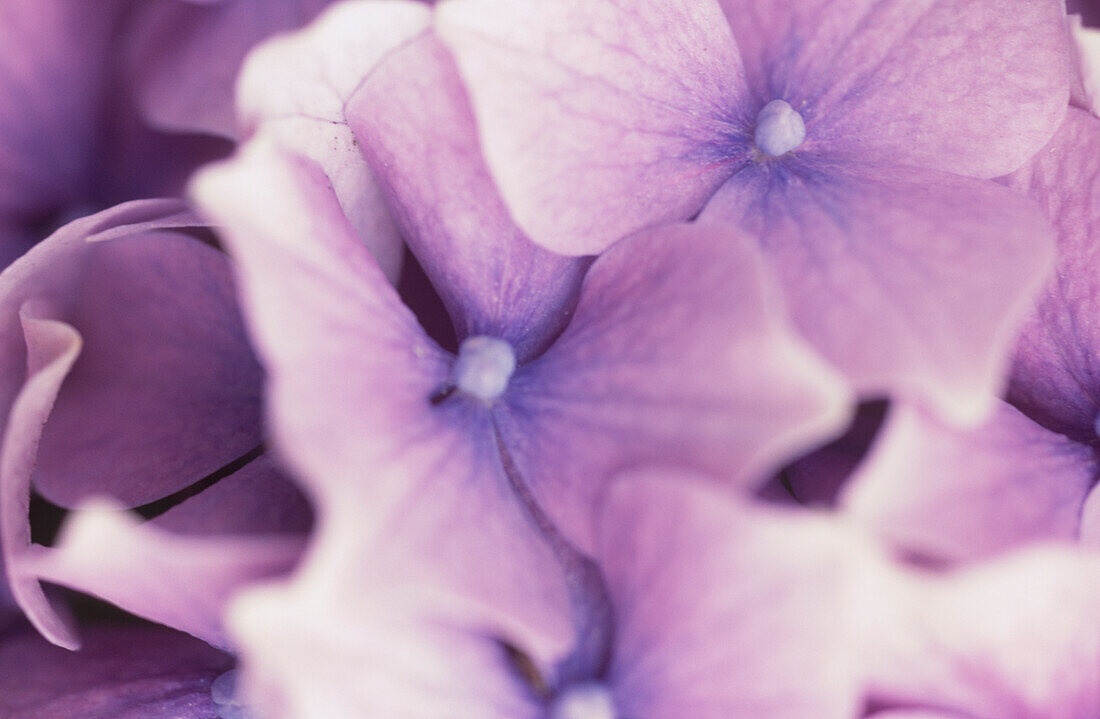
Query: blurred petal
x: 122, y: 673
x: 185, y: 59
x: 948, y: 494
x: 297, y: 87
x: 1055, y: 375
x: 414, y: 123
x: 969, y: 87
x: 597, y: 120
x: 1019, y: 637
x: 725, y: 612
x: 340, y: 348
x: 910, y: 281
x: 183, y: 582
x: 679, y: 354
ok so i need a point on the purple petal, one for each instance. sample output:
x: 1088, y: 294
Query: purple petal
x: 679, y: 354
x: 257, y: 499
x: 52, y: 347
x: 595, y: 119
x: 910, y: 281
x: 373, y: 661
x: 342, y: 351
x: 969, y: 87
x: 725, y: 612
x: 183, y: 582
x: 122, y: 673
x: 1054, y: 378
x: 185, y: 58
x: 414, y: 123
x: 297, y: 88
x: 165, y: 391
x: 947, y: 494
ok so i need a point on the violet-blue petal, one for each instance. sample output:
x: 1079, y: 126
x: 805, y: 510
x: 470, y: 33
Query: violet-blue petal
x: 297, y: 88
x: 679, y: 354
x: 910, y: 281
x: 596, y: 118
x: 185, y: 56
x: 969, y: 87
x: 725, y: 611
x: 343, y: 352
x: 951, y: 495
x: 414, y: 123
x: 122, y: 673
x: 1055, y: 373
x: 184, y: 582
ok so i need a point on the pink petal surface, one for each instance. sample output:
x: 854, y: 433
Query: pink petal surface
x: 910, y: 281
x: 969, y: 87
x: 595, y: 117
x: 414, y: 123
x: 1055, y: 373
x: 298, y: 86
x: 952, y: 495
x: 122, y: 673
x: 612, y: 392
x: 1013, y: 638
x: 726, y: 612
x: 183, y: 582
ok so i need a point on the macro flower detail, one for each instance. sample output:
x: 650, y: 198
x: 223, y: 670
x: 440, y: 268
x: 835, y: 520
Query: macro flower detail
x: 1029, y: 472
x: 900, y: 262
x: 549, y: 359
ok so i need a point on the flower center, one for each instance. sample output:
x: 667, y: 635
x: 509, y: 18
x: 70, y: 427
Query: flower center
x: 584, y: 701
x: 779, y: 129
x: 483, y: 368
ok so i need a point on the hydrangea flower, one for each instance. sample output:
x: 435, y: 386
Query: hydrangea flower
x: 852, y: 139
x: 1029, y: 472
x: 567, y: 395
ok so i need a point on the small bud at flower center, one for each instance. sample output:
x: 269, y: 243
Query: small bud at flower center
x: 779, y: 129
x: 585, y: 701
x: 484, y: 366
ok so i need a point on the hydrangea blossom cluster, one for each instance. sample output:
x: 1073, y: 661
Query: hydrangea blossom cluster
x: 549, y: 359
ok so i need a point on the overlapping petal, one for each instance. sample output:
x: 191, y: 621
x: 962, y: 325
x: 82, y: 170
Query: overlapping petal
x: 950, y: 495
x: 183, y: 582
x: 1055, y: 377
x: 598, y: 119
x: 414, y: 123
x: 297, y: 88
x: 907, y: 280
x: 613, y: 392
